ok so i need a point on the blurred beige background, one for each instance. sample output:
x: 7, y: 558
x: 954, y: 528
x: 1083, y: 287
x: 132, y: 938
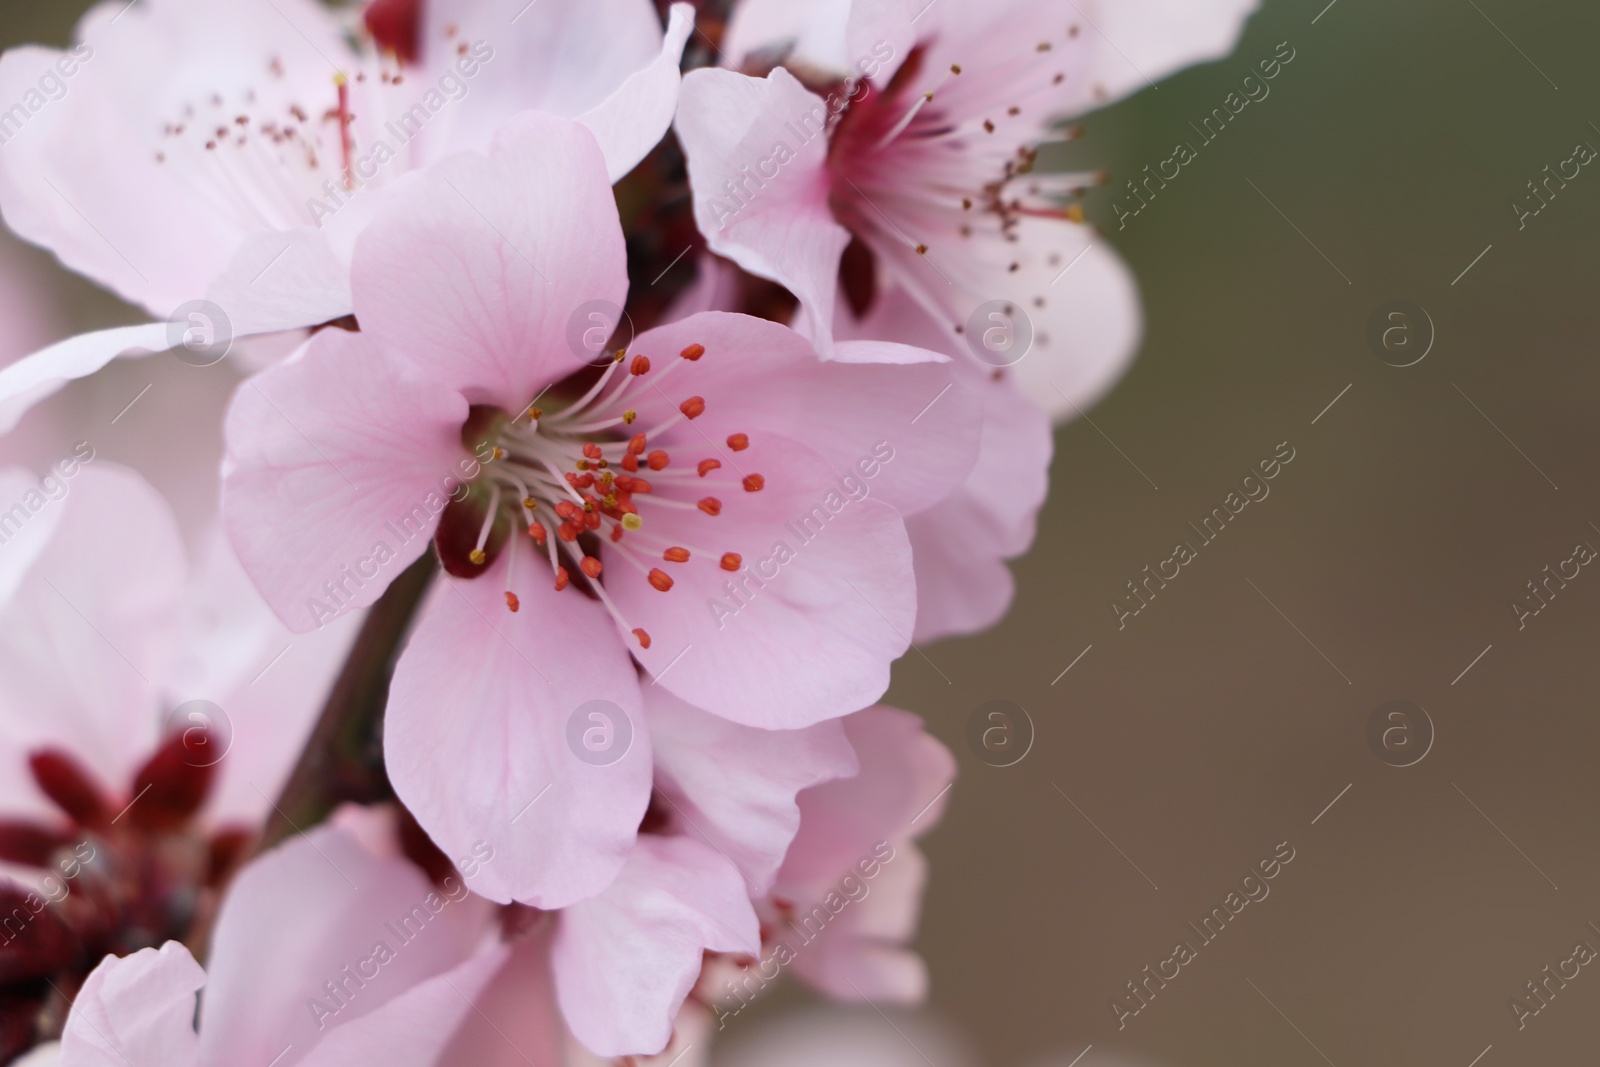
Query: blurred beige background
x: 1232, y: 710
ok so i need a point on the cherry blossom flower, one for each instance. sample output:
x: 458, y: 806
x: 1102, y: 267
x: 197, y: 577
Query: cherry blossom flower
x: 717, y: 505
x: 236, y: 149
x: 960, y: 545
x: 898, y: 145
x: 326, y: 951
x: 622, y: 966
x: 846, y: 901
x: 148, y: 711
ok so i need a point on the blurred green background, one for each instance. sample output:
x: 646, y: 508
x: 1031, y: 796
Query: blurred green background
x: 1228, y: 714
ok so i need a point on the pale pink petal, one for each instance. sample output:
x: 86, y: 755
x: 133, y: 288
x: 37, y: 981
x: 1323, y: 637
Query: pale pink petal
x: 757, y: 158
x: 861, y: 953
x: 475, y: 270
x: 900, y: 792
x: 516, y: 1022
x: 876, y: 400
x: 633, y: 119
x: 1090, y: 326
x: 89, y: 632
x: 624, y: 961
x: 282, y: 280
x: 26, y: 528
x: 297, y: 917
x: 269, y: 682
x: 957, y: 547
x: 605, y: 63
x: 339, y: 466
x: 805, y: 629
x: 963, y: 584
x: 137, y: 1011
x: 414, y: 1028
x: 164, y: 220
x: 811, y: 33
x: 479, y: 733
x: 32, y: 378
x: 733, y: 786
x: 48, y: 1055
x: 1140, y: 41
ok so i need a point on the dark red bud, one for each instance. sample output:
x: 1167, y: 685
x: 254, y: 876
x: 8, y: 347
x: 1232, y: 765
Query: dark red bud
x: 34, y: 942
x: 169, y: 788
x: 19, y: 1014
x: 71, y: 786
x: 29, y: 843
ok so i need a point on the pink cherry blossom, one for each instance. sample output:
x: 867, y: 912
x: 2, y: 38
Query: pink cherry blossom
x: 717, y: 506
x: 101, y: 637
x: 910, y: 138
x: 149, y: 711
x: 959, y: 545
x: 325, y: 952
x: 845, y: 903
x: 237, y: 149
x: 621, y: 965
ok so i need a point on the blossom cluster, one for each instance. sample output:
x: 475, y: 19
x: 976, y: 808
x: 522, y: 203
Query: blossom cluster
x: 615, y: 391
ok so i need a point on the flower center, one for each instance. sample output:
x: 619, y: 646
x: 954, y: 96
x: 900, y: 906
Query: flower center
x: 585, y: 481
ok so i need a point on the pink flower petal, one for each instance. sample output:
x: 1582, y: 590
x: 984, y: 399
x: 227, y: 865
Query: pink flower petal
x: 875, y: 400
x: 625, y: 960
x: 734, y: 787
x: 136, y: 1011
x: 339, y: 466
x: 758, y: 167
x: 805, y: 629
x: 476, y: 269
x: 32, y: 378
x: 898, y: 794
x: 479, y: 741
x: 631, y: 121
x: 319, y: 933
